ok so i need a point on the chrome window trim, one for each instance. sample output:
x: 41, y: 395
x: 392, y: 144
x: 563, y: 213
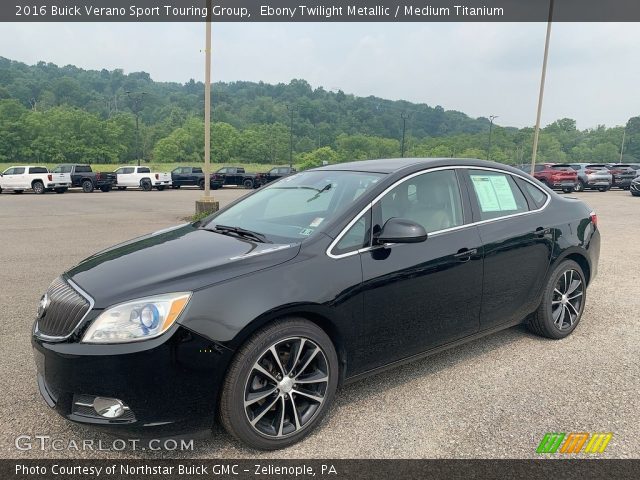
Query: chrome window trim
x: 82, y: 293
x: 438, y: 232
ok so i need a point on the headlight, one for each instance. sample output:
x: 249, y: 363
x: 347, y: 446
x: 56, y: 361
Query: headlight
x: 136, y: 320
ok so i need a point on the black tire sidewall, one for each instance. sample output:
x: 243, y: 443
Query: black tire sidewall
x: 232, y: 413
x: 87, y: 186
x: 547, y: 315
x: 248, y: 184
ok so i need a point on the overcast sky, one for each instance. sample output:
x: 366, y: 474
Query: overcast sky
x: 480, y: 69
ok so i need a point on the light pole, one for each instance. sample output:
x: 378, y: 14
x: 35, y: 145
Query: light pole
x: 536, y: 133
x: 291, y: 109
x: 136, y: 107
x: 491, y: 119
x: 624, y: 134
x: 404, y: 117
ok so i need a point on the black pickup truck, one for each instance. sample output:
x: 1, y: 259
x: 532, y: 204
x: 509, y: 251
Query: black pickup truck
x: 184, y: 176
x: 235, y: 176
x: 82, y: 176
x: 276, y: 173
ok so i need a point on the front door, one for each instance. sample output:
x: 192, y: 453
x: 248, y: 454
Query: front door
x: 421, y: 295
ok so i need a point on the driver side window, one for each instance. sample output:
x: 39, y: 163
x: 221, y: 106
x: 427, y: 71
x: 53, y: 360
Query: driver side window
x: 431, y: 200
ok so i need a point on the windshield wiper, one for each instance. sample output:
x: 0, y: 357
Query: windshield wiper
x: 305, y: 187
x: 241, y: 232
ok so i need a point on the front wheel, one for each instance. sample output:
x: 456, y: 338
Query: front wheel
x: 279, y: 385
x: 562, y: 303
x: 87, y: 186
x: 248, y: 183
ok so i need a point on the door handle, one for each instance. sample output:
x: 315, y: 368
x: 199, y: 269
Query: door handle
x: 541, y: 232
x: 465, y: 254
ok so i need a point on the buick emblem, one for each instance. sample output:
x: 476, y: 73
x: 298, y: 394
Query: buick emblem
x: 44, y: 304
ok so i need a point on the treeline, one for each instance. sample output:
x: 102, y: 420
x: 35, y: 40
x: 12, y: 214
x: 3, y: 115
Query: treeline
x: 54, y: 114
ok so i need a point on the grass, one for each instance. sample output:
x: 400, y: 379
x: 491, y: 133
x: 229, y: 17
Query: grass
x: 159, y: 167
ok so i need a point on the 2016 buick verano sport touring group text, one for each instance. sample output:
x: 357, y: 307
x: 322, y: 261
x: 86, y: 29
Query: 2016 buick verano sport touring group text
x: 260, y: 311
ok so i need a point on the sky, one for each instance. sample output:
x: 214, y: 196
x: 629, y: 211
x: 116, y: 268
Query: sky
x: 480, y: 69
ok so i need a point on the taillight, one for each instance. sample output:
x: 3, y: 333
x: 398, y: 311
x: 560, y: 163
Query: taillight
x: 50, y: 177
x: 594, y: 218
x: 157, y: 176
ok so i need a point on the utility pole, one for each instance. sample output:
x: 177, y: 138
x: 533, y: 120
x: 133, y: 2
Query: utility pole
x: 291, y: 109
x: 536, y: 134
x: 404, y: 117
x: 136, y: 108
x: 207, y: 204
x: 491, y: 119
x: 624, y: 134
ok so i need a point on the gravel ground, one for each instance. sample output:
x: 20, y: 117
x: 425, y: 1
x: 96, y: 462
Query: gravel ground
x: 492, y: 398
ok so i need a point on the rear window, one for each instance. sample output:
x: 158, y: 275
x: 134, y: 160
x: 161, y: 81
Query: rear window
x: 38, y: 170
x: 597, y: 167
x: 62, y: 169
x: 144, y: 170
x: 197, y: 170
x: 562, y: 167
x: 83, y: 169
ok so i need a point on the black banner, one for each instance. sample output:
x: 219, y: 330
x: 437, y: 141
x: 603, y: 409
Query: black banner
x: 306, y: 469
x: 318, y: 11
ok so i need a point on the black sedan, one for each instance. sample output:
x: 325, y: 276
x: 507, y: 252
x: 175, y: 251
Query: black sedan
x: 257, y: 313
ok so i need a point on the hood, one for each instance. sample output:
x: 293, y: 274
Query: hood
x: 178, y: 259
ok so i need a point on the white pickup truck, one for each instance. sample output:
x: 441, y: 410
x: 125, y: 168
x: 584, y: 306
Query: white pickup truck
x: 39, y: 179
x: 141, y: 177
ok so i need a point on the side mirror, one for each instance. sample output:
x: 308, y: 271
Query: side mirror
x: 401, y: 230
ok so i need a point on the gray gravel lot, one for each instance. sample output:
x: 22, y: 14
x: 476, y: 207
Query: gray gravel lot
x: 492, y: 398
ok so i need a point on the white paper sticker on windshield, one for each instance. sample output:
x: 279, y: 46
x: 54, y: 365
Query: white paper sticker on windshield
x: 316, y: 221
x: 306, y: 231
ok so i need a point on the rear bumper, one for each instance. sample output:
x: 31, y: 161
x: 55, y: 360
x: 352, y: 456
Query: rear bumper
x: 167, y: 384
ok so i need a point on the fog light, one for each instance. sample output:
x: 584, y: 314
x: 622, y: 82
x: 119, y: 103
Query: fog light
x: 108, y: 407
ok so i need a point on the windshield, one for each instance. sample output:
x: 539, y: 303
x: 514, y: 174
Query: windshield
x: 294, y: 208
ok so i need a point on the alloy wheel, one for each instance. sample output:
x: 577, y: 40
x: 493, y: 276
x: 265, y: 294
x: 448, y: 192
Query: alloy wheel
x: 286, y: 387
x: 567, y: 300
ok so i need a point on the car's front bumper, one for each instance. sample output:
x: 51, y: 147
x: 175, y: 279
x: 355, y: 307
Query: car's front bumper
x: 169, y: 383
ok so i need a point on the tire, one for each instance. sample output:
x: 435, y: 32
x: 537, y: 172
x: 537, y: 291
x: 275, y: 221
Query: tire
x: 122, y: 188
x: 38, y: 187
x: 248, y: 183
x: 579, y: 186
x: 568, y: 190
x: 274, y: 430
x: 105, y: 189
x: 145, y: 184
x: 61, y: 190
x: 87, y: 186
x: 160, y: 188
x: 201, y: 185
x: 567, y: 310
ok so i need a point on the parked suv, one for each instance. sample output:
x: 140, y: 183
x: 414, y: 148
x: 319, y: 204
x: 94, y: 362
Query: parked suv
x: 592, y: 177
x: 275, y: 174
x: 623, y: 174
x: 555, y: 176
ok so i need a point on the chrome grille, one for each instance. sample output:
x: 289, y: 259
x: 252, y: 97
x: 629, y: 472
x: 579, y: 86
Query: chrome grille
x: 65, y: 309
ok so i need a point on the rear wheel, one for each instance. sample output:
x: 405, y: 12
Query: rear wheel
x: 248, y: 183
x: 38, y: 187
x: 562, y: 303
x: 145, y: 184
x: 280, y: 385
x: 87, y: 186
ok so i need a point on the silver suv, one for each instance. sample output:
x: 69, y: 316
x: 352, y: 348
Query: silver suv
x: 592, y: 177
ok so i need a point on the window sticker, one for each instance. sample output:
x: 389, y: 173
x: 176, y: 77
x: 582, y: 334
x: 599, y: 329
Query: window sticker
x: 494, y: 193
x: 306, y: 231
x: 316, y: 221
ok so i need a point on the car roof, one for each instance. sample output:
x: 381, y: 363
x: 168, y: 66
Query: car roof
x: 392, y: 165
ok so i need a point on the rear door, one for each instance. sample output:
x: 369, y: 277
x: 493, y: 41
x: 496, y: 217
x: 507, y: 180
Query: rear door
x: 517, y: 241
